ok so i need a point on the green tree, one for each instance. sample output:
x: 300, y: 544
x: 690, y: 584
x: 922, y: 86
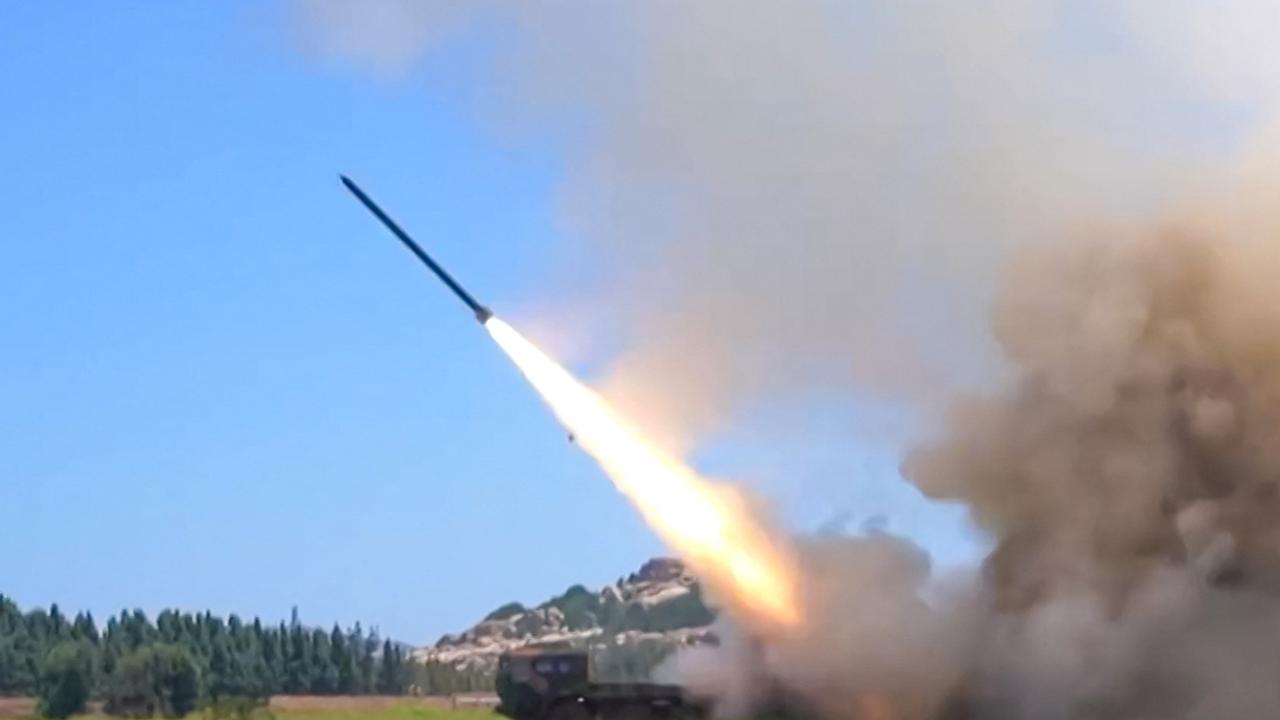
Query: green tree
x: 19, y: 669
x: 157, y: 678
x: 178, y: 680
x: 222, y: 678
x: 66, y: 679
x: 297, y: 671
x: 343, y: 661
x: 368, y: 665
x: 324, y: 673
x: 391, y: 674
x: 232, y: 658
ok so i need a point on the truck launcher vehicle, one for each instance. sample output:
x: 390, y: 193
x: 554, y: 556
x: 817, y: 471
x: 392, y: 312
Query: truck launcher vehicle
x: 556, y: 684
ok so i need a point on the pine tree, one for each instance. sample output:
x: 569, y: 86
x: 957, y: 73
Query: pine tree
x: 368, y: 664
x: 297, y: 671
x: 83, y: 628
x: 390, y: 681
x: 343, y: 662
x: 324, y: 674
x: 230, y: 659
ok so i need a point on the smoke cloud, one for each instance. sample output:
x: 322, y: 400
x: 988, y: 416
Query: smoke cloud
x: 1046, y: 227
x: 1127, y: 471
x: 787, y: 197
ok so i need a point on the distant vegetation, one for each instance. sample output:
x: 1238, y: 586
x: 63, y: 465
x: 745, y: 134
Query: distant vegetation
x: 340, y: 710
x: 181, y: 661
x: 178, y: 662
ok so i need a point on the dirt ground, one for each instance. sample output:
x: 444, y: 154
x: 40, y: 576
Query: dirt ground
x: 17, y: 707
x: 22, y: 707
x: 303, y: 703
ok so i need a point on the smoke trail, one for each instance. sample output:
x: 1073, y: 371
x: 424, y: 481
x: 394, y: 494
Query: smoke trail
x: 790, y: 196
x: 708, y: 524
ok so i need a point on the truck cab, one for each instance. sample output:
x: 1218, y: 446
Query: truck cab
x: 528, y: 678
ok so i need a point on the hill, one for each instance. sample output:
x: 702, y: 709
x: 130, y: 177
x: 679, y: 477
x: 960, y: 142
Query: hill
x: 628, y: 626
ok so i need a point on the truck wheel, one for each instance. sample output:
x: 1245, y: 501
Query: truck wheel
x: 569, y: 710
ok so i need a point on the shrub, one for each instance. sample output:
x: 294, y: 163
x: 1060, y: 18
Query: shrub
x: 66, y: 679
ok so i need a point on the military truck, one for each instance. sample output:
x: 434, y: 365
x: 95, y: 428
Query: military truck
x: 540, y: 683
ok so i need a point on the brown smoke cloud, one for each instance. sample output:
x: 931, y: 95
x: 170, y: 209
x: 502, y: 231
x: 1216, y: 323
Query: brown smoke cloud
x: 1053, y: 219
x: 1128, y: 472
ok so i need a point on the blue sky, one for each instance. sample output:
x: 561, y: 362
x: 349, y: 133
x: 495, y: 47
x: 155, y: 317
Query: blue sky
x: 224, y: 386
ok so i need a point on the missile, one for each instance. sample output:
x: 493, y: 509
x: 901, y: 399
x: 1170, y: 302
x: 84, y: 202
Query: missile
x: 482, y: 313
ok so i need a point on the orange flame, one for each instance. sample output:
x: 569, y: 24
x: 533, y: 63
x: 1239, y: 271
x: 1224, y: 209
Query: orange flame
x: 706, y: 523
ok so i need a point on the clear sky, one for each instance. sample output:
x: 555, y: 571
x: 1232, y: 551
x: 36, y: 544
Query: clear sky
x: 223, y: 385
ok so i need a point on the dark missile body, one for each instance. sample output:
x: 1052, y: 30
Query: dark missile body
x: 482, y: 313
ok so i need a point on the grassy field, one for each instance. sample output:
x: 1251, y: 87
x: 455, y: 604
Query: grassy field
x: 328, y: 708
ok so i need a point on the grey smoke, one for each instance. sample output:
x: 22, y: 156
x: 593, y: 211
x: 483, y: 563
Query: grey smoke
x: 1129, y: 474
x: 1054, y: 219
x: 813, y: 194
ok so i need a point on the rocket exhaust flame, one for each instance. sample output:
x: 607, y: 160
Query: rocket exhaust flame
x: 706, y: 523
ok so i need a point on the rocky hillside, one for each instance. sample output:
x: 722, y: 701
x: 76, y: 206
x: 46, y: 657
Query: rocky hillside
x: 628, y: 626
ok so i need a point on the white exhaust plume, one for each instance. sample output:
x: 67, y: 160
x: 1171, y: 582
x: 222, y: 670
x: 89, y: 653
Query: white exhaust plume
x: 710, y: 524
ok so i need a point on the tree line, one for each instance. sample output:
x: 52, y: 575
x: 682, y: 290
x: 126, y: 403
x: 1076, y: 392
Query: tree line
x: 179, y: 661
